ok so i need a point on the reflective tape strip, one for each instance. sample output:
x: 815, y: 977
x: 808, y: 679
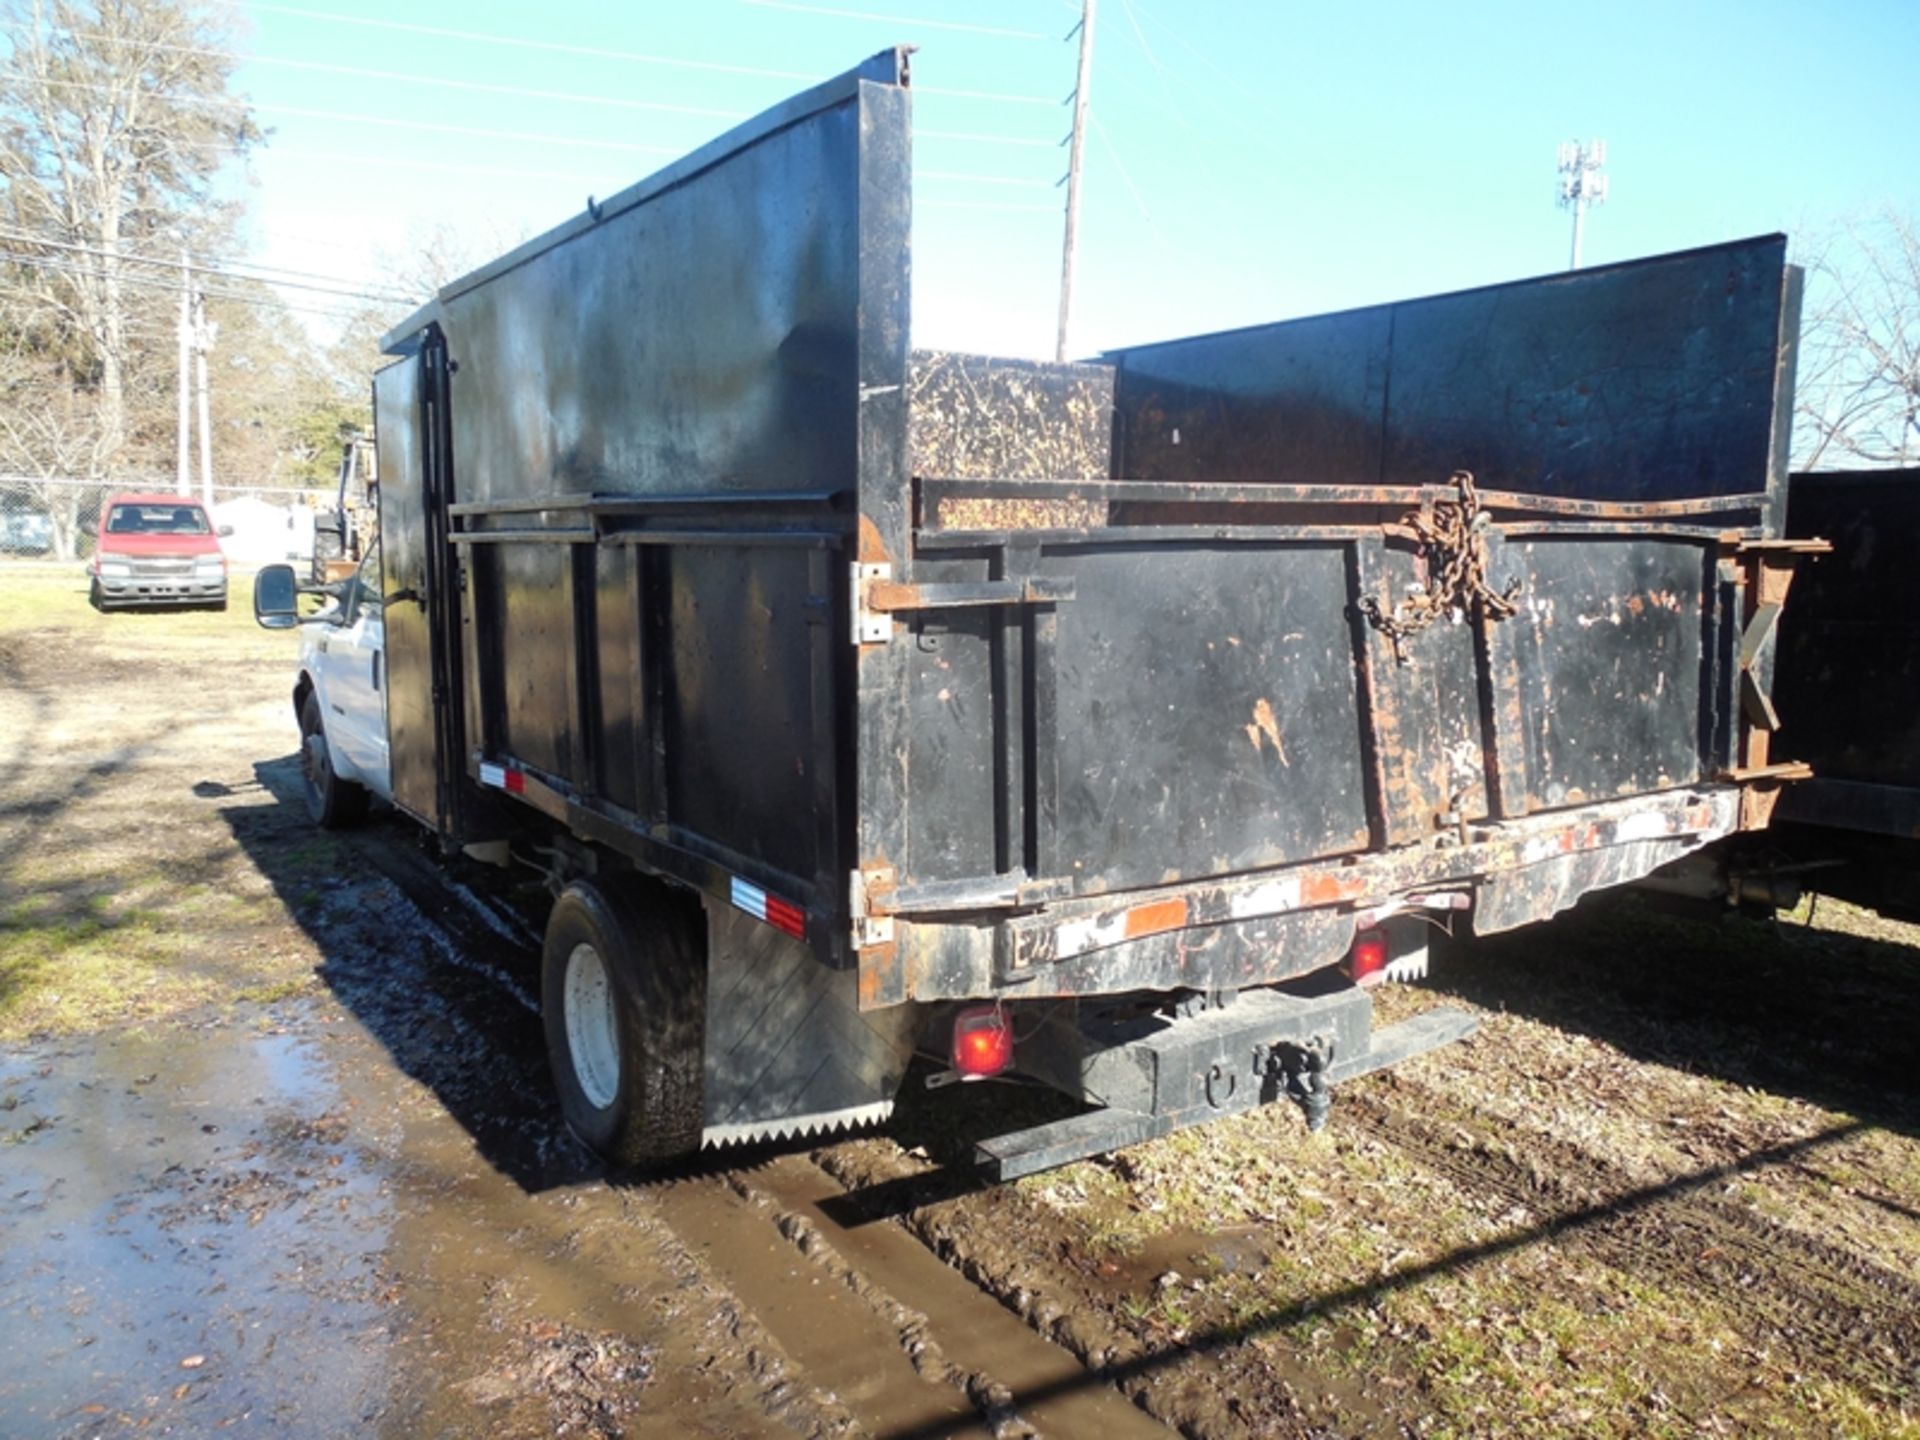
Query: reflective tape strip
x: 750, y: 898
x: 514, y: 782
x: 783, y: 915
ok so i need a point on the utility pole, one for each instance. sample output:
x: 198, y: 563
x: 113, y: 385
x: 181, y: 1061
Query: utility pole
x: 1076, y: 143
x: 182, y: 483
x: 203, y: 335
x: 1582, y: 183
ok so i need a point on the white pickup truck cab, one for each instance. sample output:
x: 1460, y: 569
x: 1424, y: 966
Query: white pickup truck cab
x: 340, y: 698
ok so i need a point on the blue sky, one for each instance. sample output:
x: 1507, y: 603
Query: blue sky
x: 1248, y: 161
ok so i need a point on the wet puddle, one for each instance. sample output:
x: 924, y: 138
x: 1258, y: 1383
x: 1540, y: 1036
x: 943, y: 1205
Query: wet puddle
x: 259, y: 1225
x: 187, y: 1240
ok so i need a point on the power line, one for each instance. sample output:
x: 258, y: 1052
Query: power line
x: 1192, y: 49
x: 351, y: 118
x: 948, y: 93
x: 982, y: 139
x: 346, y: 117
x: 561, y: 47
x: 524, y: 43
x: 481, y: 86
x: 41, y: 262
x: 523, y: 92
x: 402, y: 162
x: 980, y: 179
x: 481, y: 132
x: 1159, y: 70
x: 938, y: 204
x: 1113, y: 154
x: 28, y: 238
x: 999, y: 30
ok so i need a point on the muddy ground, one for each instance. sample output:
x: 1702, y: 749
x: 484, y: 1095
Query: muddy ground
x: 277, y: 1153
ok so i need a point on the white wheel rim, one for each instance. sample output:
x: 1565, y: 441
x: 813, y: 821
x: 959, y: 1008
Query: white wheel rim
x: 593, y: 1041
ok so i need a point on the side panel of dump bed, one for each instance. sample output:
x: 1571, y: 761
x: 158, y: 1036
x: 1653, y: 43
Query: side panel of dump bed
x: 1173, y: 728
x: 1849, y: 665
x: 657, y: 420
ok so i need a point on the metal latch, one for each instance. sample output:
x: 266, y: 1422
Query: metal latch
x: 876, y: 597
x: 870, y: 927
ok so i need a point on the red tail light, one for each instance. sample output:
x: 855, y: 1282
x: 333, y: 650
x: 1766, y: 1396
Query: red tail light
x: 982, y: 1041
x: 1367, y: 961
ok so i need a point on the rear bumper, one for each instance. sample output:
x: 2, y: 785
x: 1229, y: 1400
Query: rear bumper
x: 1262, y: 928
x: 1160, y: 1075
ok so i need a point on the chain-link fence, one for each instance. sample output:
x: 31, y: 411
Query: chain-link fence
x: 56, y: 520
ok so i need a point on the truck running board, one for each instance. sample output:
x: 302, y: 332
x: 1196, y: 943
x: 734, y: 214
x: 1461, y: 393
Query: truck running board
x: 1266, y: 1047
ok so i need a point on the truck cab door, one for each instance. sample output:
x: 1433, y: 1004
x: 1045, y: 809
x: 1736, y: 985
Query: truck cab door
x: 421, y: 679
x: 356, y: 690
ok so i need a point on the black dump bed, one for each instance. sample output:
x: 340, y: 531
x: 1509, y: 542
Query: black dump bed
x: 1020, y: 679
x: 1848, y: 680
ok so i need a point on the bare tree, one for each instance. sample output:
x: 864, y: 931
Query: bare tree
x: 47, y: 432
x: 1858, y: 397
x: 114, y: 120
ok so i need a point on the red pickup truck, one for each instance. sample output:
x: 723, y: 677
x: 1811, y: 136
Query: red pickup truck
x: 157, y: 550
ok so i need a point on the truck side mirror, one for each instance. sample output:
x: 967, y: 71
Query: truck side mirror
x: 275, y: 598
x: 224, y: 532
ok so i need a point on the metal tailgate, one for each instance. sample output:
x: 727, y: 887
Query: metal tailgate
x: 1293, y: 632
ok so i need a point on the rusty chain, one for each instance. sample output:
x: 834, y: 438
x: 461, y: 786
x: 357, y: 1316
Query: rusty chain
x: 1451, y: 538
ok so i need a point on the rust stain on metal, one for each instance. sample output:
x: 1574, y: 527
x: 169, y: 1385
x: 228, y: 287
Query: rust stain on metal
x: 1329, y: 887
x: 873, y: 550
x: 883, y: 979
x: 1450, y: 533
x: 1266, y: 724
x: 1756, y: 806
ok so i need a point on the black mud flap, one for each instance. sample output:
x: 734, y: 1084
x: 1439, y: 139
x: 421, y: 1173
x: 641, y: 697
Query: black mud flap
x: 1160, y: 1075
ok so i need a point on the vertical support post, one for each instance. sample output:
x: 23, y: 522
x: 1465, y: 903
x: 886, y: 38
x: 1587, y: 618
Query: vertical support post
x: 182, y: 482
x: 202, y: 342
x: 1402, y: 819
x: 1765, y: 572
x: 1076, y: 141
x: 583, y: 667
x: 1502, y: 704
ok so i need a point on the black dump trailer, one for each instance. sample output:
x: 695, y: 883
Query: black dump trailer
x: 1087, y: 719
x: 1848, y: 690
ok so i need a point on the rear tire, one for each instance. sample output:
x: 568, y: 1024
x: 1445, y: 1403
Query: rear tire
x: 333, y: 803
x: 623, y: 1001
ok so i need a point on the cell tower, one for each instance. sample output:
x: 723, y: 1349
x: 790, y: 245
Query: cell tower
x: 1582, y: 183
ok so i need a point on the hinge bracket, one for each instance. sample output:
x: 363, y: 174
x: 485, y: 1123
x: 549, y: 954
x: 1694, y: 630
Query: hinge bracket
x: 866, y: 888
x: 870, y: 626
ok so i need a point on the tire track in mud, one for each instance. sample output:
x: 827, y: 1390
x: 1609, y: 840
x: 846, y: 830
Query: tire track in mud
x: 1049, y: 1376
x: 1816, y: 1300
x: 1006, y: 1247
x: 914, y: 1349
x: 837, y: 1329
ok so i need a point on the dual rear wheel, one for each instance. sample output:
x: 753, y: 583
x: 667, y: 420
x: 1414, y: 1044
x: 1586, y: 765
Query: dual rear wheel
x: 623, y: 1001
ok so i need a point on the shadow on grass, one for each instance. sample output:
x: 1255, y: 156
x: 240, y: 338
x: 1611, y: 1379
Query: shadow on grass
x: 1332, y: 1303
x: 51, y: 914
x: 1815, y: 1014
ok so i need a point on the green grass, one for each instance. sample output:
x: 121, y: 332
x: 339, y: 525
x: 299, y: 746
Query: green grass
x: 124, y: 893
x: 40, y: 597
